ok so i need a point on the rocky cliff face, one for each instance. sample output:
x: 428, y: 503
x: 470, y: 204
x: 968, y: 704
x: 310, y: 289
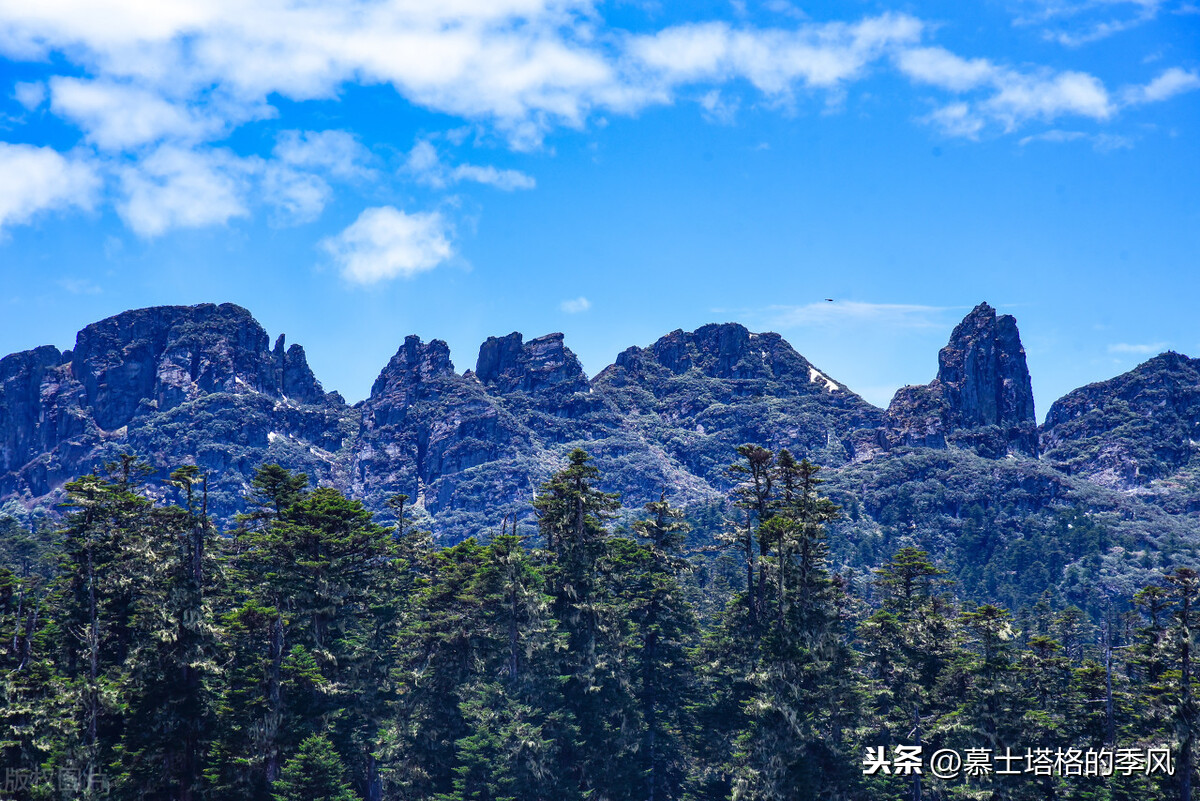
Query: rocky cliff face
x: 423, y: 425
x: 39, y: 407
x: 202, y: 385
x: 168, y: 355
x: 508, y: 364
x: 175, y: 384
x: 699, y: 395
x: 982, y: 398
x: 1116, y: 493
x: 1132, y: 429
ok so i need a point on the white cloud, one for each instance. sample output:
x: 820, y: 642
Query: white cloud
x: 1014, y: 97
x: 1102, y: 143
x: 1170, y: 83
x: 773, y: 60
x: 957, y: 119
x: 337, y: 152
x: 576, y: 305
x: 30, y: 95
x: 1022, y: 97
x: 146, y: 82
x: 1055, y: 136
x: 522, y: 64
x: 298, y: 197
x: 1106, y: 143
x: 849, y: 312
x: 1098, y: 31
x: 385, y: 242
x: 1075, y: 23
x: 1138, y: 350
x: 426, y: 166
x: 37, y: 179
x: 120, y: 116
x: 291, y: 182
x: 941, y: 68
x: 717, y: 107
x: 179, y: 188
x: 785, y: 8
x: 193, y: 70
x: 506, y: 180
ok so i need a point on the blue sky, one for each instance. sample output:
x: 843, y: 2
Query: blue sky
x: 355, y: 172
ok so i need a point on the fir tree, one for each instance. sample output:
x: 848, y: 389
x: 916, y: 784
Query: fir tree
x: 571, y: 514
x: 315, y: 773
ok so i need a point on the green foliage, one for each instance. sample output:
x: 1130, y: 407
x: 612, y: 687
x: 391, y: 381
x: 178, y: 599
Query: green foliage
x: 710, y: 654
x: 315, y: 773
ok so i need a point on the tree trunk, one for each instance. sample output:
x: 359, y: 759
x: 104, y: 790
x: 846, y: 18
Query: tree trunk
x: 93, y: 656
x: 1185, y: 679
x: 916, y: 777
x: 274, y: 699
x: 513, y: 636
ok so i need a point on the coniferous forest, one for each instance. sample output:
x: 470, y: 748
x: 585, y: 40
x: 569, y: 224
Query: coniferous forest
x: 599, y: 400
x: 312, y: 653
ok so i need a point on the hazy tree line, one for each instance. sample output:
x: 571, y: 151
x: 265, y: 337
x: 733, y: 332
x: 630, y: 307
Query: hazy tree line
x: 313, y: 653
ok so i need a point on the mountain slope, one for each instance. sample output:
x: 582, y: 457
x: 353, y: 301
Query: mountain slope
x: 1131, y: 429
x: 954, y: 466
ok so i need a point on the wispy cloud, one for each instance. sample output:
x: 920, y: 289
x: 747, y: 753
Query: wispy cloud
x: 775, y: 61
x: 1138, y: 350
x: 337, y: 152
x: 1102, y: 143
x: 939, y: 67
x: 176, y: 187
x: 38, y: 179
x: 576, y: 305
x: 385, y: 243
x: 30, y: 94
x: 997, y: 95
x: 1012, y: 97
x: 842, y: 313
x: 956, y: 119
x: 1075, y: 23
x: 296, y: 180
x: 79, y: 286
x: 425, y: 164
x: 718, y: 107
x: 117, y: 116
x: 1171, y: 82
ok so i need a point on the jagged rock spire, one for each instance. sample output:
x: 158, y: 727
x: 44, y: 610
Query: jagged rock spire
x: 982, y: 397
x: 508, y: 363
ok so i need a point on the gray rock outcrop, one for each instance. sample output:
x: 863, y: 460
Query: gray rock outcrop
x: 982, y: 398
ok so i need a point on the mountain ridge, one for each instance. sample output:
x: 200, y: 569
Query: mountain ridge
x: 203, y: 384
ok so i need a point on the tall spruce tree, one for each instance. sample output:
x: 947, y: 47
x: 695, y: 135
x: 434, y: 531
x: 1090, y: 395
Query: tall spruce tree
x: 314, y: 773
x: 808, y: 693
x: 571, y: 516
x: 906, y: 647
x: 317, y: 622
x: 665, y: 629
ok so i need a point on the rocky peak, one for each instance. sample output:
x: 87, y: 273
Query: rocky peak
x: 727, y: 351
x: 509, y: 364
x: 166, y: 355
x: 414, y: 365
x: 27, y: 381
x: 293, y: 377
x: 63, y: 414
x: 984, y: 373
x: 982, y: 397
x: 1131, y: 429
x: 717, y: 350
